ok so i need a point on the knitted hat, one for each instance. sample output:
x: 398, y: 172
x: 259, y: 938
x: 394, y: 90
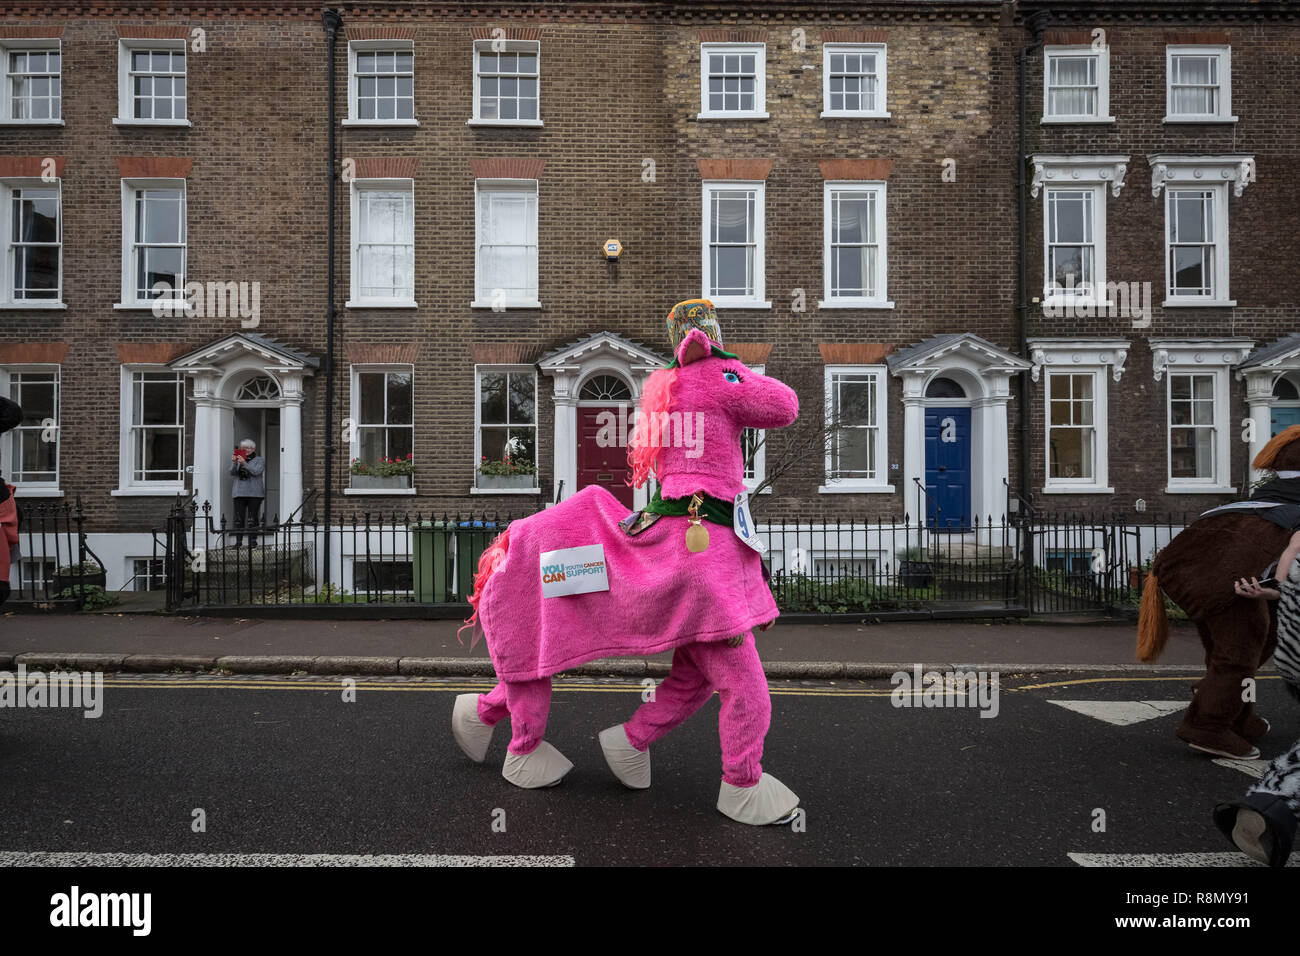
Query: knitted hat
x: 695, y: 314
x: 11, y: 415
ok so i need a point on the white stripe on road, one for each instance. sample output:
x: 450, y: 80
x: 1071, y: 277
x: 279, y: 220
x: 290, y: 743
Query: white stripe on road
x: 1169, y: 859
x: 42, y: 858
x: 1252, y: 768
x: 1121, y: 713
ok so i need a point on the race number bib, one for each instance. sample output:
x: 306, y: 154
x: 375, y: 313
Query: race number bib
x: 574, y: 571
x: 742, y: 522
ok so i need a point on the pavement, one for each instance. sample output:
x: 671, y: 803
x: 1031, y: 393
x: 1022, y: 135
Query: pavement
x: 153, y: 643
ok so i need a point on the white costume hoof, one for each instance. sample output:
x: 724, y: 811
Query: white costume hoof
x: 768, y: 801
x: 631, y: 766
x: 470, y: 732
x: 544, y: 767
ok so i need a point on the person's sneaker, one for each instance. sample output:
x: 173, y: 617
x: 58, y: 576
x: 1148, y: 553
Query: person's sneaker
x: 1249, y: 752
x: 1220, y: 743
x: 1262, y: 827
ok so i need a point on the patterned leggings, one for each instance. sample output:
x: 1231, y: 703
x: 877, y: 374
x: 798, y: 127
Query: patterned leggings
x: 1282, y: 779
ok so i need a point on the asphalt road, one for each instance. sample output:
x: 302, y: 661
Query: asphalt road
x: 286, y: 766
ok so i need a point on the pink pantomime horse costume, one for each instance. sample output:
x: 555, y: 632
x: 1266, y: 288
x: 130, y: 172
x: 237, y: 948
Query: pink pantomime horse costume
x: 679, y: 576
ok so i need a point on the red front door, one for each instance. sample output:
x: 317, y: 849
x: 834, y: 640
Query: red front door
x: 605, y: 466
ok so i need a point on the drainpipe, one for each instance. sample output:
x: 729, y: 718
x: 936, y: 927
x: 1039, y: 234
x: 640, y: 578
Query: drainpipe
x: 1035, y: 23
x: 333, y: 20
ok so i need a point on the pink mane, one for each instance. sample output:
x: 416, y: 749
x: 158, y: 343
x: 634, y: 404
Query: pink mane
x: 488, y: 563
x: 647, y: 440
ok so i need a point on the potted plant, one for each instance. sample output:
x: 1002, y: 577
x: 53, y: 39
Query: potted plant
x: 913, y: 570
x: 384, y: 474
x: 511, y: 470
x: 88, y: 573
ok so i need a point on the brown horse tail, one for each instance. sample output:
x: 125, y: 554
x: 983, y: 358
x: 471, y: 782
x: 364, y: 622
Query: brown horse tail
x: 1153, y: 625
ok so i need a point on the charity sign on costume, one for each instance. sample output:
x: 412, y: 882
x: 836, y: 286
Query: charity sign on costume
x: 574, y: 571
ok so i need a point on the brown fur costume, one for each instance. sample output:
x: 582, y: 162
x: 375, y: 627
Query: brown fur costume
x: 1197, y: 570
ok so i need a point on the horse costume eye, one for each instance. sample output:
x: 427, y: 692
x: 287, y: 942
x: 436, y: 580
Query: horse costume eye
x: 733, y: 377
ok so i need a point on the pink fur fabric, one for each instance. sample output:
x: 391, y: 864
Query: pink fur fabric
x: 660, y: 595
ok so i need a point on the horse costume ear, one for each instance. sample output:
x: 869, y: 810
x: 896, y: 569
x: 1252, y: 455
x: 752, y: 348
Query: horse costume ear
x: 694, y: 347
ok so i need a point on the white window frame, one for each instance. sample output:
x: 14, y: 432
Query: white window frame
x: 174, y: 304
x: 33, y: 489
x: 15, y: 45
x: 760, y: 81
x: 882, y: 81
x: 131, y: 575
x: 1219, y: 205
x: 127, y: 485
x: 355, y: 299
x: 125, y: 98
x: 1221, y: 428
x: 1102, y: 54
x: 881, y: 300
x: 1052, y: 295
x: 505, y: 46
x: 521, y: 186
x: 1100, y: 466
x: 354, y: 413
x: 757, y: 300
x: 1103, y: 359
x: 1224, y: 54
x: 478, y: 430
x: 880, y: 483
x: 372, y: 46
x: 7, y: 187
x: 760, y: 455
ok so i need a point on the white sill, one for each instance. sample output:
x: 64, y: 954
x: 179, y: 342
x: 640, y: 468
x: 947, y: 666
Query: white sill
x: 532, y: 124
x: 1181, y: 303
x: 118, y: 121
x: 832, y: 114
x: 1200, y: 120
x: 1077, y: 490
x: 1071, y: 120
x: 32, y: 122
x: 739, y: 303
x: 380, y: 122
x: 1199, y: 490
x: 505, y: 491
x: 381, y: 304
x: 379, y: 491
x: 506, y: 306
x: 180, y: 309
x: 733, y: 116
x: 750, y: 486
x: 21, y: 492
x: 846, y: 489
x: 855, y: 304
x: 162, y: 491
x: 1081, y: 302
x: 34, y: 304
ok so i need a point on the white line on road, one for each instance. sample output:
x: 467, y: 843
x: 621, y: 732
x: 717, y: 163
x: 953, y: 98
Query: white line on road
x: 1121, y: 713
x: 1252, y: 768
x: 42, y: 858
x: 1168, y: 859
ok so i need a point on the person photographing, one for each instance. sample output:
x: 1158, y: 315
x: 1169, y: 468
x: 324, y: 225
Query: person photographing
x: 248, y: 469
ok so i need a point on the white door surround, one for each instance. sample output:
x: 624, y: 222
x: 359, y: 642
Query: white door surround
x: 984, y: 371
x: 570, y: 367
x: 1262, y: 370
x: 220, y: 371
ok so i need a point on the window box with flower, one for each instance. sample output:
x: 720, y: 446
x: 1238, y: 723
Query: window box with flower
x: 514, y: 469
x: 382, y: 475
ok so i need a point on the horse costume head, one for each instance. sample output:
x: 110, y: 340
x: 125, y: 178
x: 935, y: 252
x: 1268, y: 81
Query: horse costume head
x: 688, y: 430
x: 1282, y: 453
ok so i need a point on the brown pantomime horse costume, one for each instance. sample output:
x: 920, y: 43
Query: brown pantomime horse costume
x: 1197, y: 570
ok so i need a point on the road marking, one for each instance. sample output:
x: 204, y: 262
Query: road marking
x: 1252, y: 768
x: 1122, y: 713
x: 42, y: 858
x: 1169, y: 859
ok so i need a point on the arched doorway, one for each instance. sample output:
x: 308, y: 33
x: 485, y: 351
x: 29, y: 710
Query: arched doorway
x: 255, y: 414
x: 1284, y: 409
x: 605, y: 408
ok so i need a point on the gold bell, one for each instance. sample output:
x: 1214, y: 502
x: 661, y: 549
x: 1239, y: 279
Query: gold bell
x: 697, y: 536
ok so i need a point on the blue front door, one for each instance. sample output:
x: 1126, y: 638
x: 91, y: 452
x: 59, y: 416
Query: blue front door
x: 1284, y: 418
x: 947, y: 468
